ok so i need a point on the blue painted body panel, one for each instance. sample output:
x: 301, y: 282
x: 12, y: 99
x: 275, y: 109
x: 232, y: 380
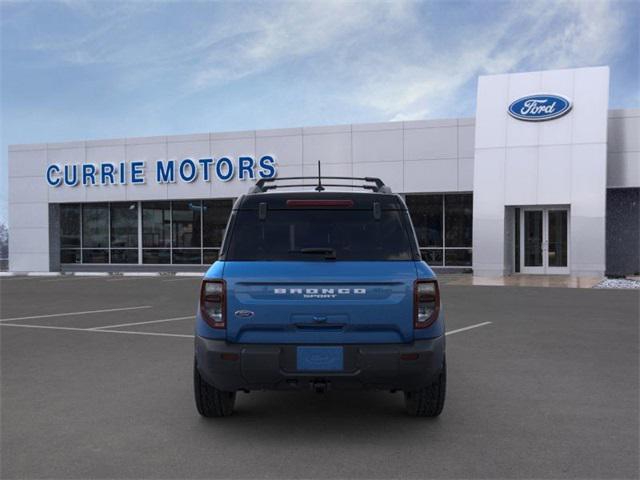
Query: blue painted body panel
x: 320, y: 302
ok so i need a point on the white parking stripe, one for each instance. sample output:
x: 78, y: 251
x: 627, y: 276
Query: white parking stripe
x: 69, y: 278
x: 144, y: 323
x: 48, y: 327
x: 74, y: 313
x: 157, y: 334
x: 125, y: 279
x: 180, y: 279
x: 451, y: 332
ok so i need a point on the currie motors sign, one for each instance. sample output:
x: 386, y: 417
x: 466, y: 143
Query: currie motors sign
x: 540, y: 107
x: 162, y: 171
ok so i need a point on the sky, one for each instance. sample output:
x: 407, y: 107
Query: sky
x: 76, y: 70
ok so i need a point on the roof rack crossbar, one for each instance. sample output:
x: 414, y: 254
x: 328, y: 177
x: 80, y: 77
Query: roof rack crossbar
x: 378, y: 187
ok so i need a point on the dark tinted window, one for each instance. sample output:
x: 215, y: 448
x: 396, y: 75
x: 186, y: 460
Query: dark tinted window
x: 69, y: 226
x: 156, y: 224
x: 215, y: 214
x: 95, y: 226
x: 186, y: 224
x: 458, y: 220
x: 426, y: 213
x: 352, y: 234
x: 124, y: 225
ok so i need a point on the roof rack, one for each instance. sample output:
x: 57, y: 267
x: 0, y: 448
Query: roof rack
x: 377, y: 184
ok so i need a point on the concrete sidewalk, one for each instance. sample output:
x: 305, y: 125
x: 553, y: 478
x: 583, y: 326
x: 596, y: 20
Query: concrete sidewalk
x: 519, y: 280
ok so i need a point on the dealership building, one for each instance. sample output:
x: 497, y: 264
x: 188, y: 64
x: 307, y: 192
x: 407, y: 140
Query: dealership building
x: 544, y: 180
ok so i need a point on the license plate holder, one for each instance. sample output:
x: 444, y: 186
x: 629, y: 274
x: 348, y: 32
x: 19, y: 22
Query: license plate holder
x: 320, y: 359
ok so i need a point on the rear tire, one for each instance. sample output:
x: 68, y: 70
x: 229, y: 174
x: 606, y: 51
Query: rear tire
x: 428, y: 401
x: 210, y: 401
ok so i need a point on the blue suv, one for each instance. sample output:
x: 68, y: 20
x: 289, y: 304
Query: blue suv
x: 319, y: 289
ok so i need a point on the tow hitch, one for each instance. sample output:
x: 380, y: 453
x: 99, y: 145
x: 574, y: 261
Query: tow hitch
x: 319, y: 386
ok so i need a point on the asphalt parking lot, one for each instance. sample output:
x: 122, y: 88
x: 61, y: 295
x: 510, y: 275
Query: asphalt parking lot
x: 96, y: 383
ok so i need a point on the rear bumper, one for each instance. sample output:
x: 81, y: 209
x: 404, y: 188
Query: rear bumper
x: 231, y: 367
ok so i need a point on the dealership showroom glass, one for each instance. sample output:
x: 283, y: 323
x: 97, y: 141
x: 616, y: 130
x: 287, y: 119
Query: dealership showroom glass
x: 544, y: 180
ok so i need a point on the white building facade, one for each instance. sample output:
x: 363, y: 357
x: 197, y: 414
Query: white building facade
x: 545, y: 179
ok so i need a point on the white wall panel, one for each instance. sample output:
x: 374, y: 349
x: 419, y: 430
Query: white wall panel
x: 591, y: 104
x: 390, y: 173
x: 327, y: 147
x: 493, y: 95
x: 330, y: 169
x: 521, y: 176
x: 588, y: 180
x: 287, y: 149
x: 27, y: 163
x: 29, y: 262
x: 431, y: 176
x: 377, y: 146
x: 224, y: 147
x: 28, y: 189
x: 558, y: 131
x: 430, y: 143
x: 29, y: 240
x: 465, y: 174
x: 554, y: 175
x: 28, y: 215
x: 466, y: 141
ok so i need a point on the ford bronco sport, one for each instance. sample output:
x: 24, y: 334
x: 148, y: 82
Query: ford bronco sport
x: 319, y: 289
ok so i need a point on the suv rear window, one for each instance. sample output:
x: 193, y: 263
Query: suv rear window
x: 300, y: 234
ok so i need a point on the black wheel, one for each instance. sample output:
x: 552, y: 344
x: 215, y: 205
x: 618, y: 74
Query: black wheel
x: 428, y: 401
x: 210, y: 401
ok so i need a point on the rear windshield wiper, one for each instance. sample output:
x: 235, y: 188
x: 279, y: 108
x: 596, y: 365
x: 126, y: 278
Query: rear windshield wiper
x: 329, y: 253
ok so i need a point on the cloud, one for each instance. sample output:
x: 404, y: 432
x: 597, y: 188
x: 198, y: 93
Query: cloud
x: 529, y: 36
x: 293, y: 31
x: 393, y: 58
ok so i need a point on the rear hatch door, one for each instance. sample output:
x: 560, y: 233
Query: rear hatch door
x: 319, y: 302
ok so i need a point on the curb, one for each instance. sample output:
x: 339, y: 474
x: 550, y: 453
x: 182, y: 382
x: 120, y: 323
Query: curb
x: 102, y: 274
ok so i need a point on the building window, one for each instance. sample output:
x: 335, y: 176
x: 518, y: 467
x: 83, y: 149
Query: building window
x: 124, y: 232
x: 95, y: 233
x: 179, y: 232
x: 156, y: 232
x: 443, y: 224
x: 70, y: 239
x: 215, y: 214
x: 186, y: 226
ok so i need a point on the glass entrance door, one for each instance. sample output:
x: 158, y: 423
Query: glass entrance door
x: 544, y: 240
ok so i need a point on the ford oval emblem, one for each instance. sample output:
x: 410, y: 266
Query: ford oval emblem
x: 540, y: 107
x: 243, y: 313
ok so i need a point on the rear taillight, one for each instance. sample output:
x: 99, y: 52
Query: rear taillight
x: 426, y: 303
x: 213, y: 303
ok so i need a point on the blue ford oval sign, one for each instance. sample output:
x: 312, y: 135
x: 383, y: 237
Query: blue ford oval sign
x: 536, y: 108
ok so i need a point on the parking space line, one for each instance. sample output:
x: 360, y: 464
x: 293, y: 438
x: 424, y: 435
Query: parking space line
x: 144, y: 323
x: 74, y: 329
x: 464, y: 329
x: 68, y: 314
x: 74, y: 278
x: 158, y: 334
x: 180, y: 279
x: 125, y: 279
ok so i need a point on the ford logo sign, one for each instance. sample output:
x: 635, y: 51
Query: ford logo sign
x: 536, y: 108
x: 243, y: 313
